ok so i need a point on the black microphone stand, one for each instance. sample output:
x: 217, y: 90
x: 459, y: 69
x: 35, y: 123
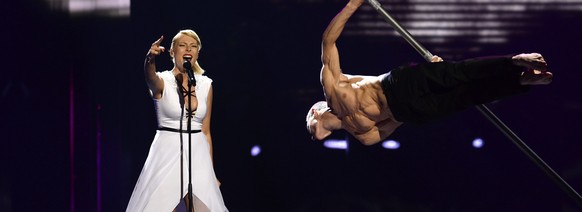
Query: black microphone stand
x: 189, y: 126
x: 191, y: 83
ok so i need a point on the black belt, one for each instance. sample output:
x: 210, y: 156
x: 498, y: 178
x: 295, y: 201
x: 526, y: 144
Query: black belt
x: 177, y: 130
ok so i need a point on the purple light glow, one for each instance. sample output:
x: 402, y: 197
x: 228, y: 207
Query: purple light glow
x: 391, y: 144
x: 255, y: 150
x: 336, y: 144
x: 71, y: 142
x: 478, y: 143
x: 98, y: 162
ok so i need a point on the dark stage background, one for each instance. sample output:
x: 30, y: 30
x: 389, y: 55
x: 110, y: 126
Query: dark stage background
x: 77, y: 120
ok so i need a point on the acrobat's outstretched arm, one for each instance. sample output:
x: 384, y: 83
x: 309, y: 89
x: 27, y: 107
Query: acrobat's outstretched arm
x: 331, y: 71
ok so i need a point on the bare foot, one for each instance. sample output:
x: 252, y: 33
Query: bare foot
x: 435, y: 59
x: 536, y: 77
x: 532, y: 61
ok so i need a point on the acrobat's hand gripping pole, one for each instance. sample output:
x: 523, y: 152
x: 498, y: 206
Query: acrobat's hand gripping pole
x: 484, y: 110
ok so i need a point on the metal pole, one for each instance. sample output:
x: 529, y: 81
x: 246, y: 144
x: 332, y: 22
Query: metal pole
x: 485, y: 111
x: 423, y: 52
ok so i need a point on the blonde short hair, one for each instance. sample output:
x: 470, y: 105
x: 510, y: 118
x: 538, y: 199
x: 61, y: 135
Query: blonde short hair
x: 318, y: 106
x: 192, y: 34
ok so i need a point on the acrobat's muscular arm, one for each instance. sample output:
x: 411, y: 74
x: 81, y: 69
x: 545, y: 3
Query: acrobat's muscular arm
x: 331, y: 72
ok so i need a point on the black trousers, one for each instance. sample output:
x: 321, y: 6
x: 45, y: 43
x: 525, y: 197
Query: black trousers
x: 421, y: 93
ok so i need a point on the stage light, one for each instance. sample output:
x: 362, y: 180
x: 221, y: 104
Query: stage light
x: 391, y: 144
x: 478, y: 143
x: 468, y: 23
x: 111, y: 8
x: 255, y: 150
x: 336, y: 144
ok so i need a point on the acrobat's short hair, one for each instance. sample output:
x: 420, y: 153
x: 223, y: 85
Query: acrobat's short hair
x: 318, y: 106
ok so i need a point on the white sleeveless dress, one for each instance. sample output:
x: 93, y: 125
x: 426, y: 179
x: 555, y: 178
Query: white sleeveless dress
x: 158, y: 186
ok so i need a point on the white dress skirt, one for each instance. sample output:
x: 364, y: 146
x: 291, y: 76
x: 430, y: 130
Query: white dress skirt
x: 158, y: 186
